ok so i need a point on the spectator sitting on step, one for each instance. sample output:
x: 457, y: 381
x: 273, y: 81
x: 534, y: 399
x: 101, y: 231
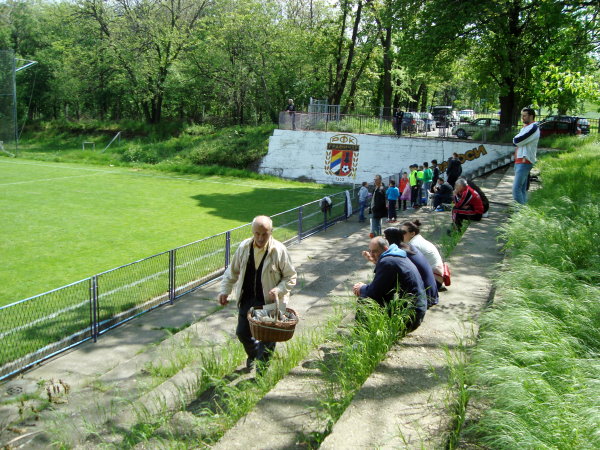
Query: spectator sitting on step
x: 443, y: 193
x: 467, y: 204
x: 394, y: 274
x: 396, y: 236
x: 484, y: 199
x: 412, y: 236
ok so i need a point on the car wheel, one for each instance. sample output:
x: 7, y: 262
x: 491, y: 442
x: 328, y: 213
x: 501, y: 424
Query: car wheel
x: 461, y: 134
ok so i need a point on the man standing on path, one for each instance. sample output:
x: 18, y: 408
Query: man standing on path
x: 436, y: 173
x: 526, y: 142
x: 260, y: 272
x: 394, y: 273
x: 454, y: 169
x: 363, y: 194
x: 291, y: 109
x: 378, y: 206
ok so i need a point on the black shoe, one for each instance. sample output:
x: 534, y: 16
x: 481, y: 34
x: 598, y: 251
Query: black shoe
x: 250, y: 363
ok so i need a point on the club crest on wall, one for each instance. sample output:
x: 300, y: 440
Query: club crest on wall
x: 341, y: 157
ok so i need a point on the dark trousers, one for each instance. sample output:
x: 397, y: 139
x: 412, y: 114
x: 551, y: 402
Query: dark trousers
x: 414, y: 195
x: 256, y: 350
x: 391, y: 209
x: 439, y: 199
x: 452, y: 179
x: 403, y: 205
x: 458, y: 219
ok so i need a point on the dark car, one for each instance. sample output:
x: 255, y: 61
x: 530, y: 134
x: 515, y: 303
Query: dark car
x: 574, y: 122
x: 412, y: 123
x: 548, y: 127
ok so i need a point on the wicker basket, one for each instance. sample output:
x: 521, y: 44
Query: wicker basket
x: 272, y: 331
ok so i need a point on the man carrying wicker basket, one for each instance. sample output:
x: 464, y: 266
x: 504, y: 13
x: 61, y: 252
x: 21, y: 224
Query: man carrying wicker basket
x: 260, y: 273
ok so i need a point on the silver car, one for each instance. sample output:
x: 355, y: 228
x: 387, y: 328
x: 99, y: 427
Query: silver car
x: 465, y: 129
x: 428, y: 121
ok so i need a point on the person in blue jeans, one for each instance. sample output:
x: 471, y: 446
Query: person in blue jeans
x: 363, y: 195
x: 526, y: 142
x: 392, y: 194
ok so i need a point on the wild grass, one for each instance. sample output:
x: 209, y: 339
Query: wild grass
x: 356, y: 356
x: 222, y: 403
x: 536, y: 362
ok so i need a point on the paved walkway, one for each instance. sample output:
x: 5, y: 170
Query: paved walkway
x: 327, y: 264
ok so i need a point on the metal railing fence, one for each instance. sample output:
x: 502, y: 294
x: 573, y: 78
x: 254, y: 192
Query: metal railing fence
x: 382, y: 124
x: 39, y: 327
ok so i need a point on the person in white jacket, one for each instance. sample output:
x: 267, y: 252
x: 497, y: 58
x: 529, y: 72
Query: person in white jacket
x: 260, y: 273
x: 526, y: 142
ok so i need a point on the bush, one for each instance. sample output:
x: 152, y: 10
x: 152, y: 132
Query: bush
x: 137, y: 153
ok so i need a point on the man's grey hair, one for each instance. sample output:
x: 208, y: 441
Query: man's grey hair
x: 462, y: 182
x: 263, y: 221
x: 382, y: 242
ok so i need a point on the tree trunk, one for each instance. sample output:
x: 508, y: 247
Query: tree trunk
x: 386, y: 43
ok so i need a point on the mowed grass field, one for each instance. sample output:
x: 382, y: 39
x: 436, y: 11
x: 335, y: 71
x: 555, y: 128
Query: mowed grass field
x: 65, y: 222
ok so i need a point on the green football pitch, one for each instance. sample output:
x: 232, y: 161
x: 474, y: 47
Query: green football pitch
x: 65, y: 222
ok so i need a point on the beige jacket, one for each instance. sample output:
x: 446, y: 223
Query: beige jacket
x: 278, y: 271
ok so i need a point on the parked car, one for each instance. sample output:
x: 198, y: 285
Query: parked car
x: 444, y: 116
x: 412, y: 123
x: 428, y: 121
x: 584, y: 125
x: 466, y: 115
x: 558, y: 126
x: 462, y: 130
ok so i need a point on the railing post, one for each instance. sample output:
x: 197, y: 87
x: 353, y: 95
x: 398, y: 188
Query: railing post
x: 172, y: 268
x: 227, y: 248
x: 94, y: 301
x: 300, y: 224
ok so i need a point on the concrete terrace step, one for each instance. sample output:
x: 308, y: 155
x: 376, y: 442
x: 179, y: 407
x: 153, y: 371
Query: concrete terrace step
x: 111, y: 371
x: 402, y: 404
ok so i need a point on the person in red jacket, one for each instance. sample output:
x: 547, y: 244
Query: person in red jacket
x: 467, y: 204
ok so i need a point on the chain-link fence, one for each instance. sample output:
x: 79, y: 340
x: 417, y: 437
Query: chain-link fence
x: 37, y: 328
x: 8, y: 108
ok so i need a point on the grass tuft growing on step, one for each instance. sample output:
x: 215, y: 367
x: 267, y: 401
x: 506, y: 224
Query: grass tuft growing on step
x: 355, y: 356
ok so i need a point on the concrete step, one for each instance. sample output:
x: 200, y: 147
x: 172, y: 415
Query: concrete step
x: 402, y: 404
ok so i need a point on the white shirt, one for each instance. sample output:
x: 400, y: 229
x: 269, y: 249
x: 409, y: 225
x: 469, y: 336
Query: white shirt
x: 430, y: 251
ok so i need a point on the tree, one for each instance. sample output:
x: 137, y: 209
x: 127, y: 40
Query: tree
x: 508, y: 37
x: 147, y: 37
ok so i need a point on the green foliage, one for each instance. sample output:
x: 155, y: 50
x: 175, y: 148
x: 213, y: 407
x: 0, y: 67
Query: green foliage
x: 169, y: 146
x: 535, y: 363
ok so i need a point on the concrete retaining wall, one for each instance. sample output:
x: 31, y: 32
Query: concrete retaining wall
x: 327, y: 157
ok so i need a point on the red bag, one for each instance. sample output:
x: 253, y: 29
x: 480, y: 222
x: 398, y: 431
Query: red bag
x: 447, y: 275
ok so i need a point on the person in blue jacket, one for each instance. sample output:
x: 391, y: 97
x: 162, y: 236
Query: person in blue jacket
x: 394, y: 273
x: 395, y: 236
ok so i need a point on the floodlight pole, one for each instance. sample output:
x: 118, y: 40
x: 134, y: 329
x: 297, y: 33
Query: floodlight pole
x: 28, y: 63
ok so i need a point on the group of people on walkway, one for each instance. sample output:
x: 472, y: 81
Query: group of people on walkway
x: 406, y: 264
x: 261, y: 273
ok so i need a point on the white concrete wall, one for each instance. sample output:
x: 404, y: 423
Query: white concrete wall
x: 297, y: 154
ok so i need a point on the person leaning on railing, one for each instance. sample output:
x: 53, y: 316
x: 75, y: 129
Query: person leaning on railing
x: 260, y: 273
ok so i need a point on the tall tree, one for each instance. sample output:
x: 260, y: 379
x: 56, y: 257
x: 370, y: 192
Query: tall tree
x: 147, y: 37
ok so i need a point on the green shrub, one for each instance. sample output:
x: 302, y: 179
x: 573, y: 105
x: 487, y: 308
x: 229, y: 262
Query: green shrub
x: 137, y: 153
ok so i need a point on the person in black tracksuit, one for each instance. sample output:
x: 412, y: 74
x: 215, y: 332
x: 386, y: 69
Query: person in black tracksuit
x: 454, y: 169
